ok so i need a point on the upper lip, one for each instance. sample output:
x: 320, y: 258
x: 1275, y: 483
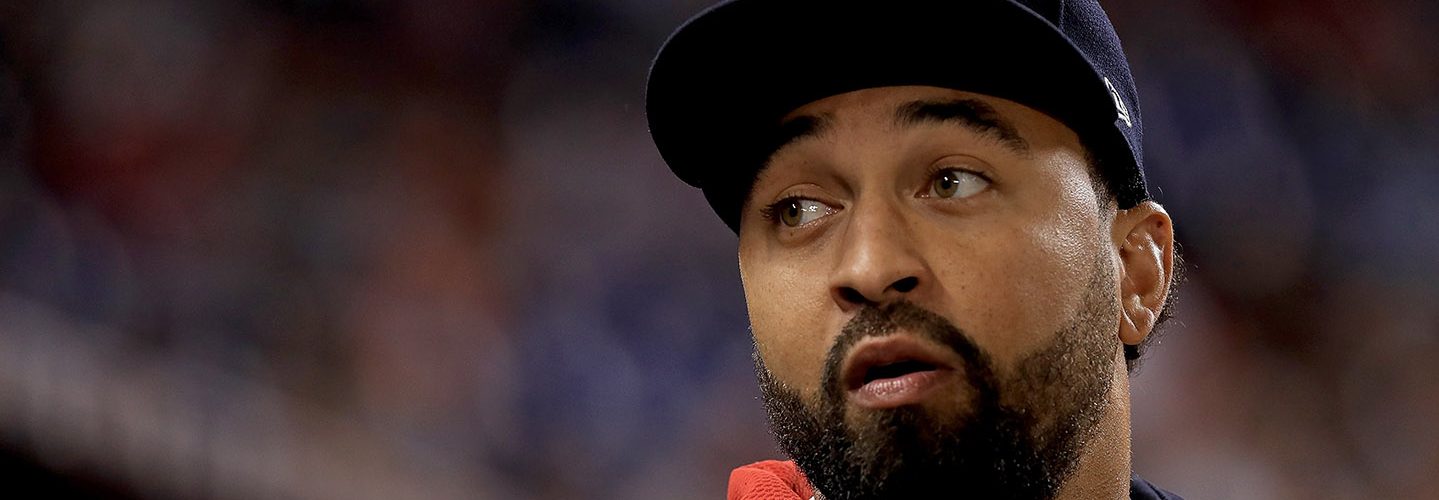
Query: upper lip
x: 876, y: 352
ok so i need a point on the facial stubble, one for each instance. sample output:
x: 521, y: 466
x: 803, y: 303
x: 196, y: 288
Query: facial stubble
x: 1020, y: 436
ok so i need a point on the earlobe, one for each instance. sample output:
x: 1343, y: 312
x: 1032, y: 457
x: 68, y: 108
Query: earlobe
x: 1144, y: 239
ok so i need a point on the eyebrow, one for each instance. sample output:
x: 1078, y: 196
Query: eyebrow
x: 973, y: 114
x: 797, y: 129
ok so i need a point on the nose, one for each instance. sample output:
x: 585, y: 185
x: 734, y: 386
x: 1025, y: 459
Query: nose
x: 879, y: 261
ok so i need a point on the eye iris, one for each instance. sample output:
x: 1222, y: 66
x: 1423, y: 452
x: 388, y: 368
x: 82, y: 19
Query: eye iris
x: 791, y: 213
x: 946, y: 185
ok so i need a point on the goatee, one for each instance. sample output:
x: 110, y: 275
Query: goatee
x: 1020, y: 436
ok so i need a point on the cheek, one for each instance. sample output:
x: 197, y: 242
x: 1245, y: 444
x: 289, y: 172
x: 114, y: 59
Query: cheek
x: 786, y: 312
x: 1022, y: 276
x: 1040, y: 286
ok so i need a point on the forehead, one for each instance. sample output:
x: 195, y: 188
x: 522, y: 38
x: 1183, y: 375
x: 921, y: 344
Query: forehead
x: 1014, y: 127
x: 878, y: 105
x: 872, y: 100
x: 891, y: 109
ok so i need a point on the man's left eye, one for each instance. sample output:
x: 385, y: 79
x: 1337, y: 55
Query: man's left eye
x: 956, y: 183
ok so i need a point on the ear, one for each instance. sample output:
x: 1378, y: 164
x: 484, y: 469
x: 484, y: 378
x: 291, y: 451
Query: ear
x: 1143, y: 237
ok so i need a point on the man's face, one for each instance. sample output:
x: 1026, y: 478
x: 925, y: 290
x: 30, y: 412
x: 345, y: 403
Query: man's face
x: 933, y: 291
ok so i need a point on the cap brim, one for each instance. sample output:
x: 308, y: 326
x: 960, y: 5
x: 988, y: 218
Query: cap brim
x: 722, y: 82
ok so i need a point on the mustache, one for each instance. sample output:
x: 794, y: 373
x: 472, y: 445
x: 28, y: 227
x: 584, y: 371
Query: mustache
x: 903, y: 315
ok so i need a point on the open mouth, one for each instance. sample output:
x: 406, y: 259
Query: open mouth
x: 895, y: 370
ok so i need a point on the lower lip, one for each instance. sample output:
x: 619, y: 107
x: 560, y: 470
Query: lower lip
x: 910, y: 388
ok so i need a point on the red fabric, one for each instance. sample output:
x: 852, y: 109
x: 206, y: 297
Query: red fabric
x: 769, y: 480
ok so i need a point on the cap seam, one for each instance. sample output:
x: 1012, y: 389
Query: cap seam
x: 1062, y: 11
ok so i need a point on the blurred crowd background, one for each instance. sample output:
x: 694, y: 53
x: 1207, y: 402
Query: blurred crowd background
x: 376, y: 249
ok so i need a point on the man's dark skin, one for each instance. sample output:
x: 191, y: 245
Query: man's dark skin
x: 891, y: 227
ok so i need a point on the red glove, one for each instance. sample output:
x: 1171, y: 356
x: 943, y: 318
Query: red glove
x: 769, y: 480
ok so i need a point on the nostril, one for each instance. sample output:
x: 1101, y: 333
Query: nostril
x: 852, y: 296
x: 906, y: 285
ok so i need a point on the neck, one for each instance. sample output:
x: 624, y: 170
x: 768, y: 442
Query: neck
x: 1104, y: 468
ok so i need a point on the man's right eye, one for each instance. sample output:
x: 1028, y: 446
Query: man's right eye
x: 795, y: 212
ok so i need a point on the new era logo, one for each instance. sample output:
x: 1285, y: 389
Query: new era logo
x: 1119, y: 104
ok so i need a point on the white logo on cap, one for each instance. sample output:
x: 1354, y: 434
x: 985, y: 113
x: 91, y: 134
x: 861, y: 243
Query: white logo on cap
x: 1119, y: 104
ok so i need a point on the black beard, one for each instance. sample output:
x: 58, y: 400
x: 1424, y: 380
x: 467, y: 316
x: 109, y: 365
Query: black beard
x: 1021, y: 437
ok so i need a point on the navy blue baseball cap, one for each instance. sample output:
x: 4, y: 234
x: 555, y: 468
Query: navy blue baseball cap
x: 722, y: 82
